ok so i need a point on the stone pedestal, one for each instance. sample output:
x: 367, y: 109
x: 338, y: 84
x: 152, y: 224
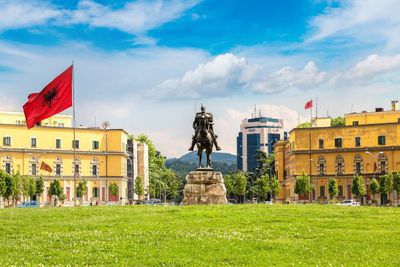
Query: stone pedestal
x: 204, y: 188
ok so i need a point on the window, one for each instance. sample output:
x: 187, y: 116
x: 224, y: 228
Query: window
x: 381, y: 140
x: 8, y: 167
x: 322, y: 191
x: 358, y: 167
x: 383, y: 166
x: 58, y: 143
x: 340, y: 190
x: 321, y: 143
x: 358, y: 141
x: 34, y: 169
x: 355, y: 123
x: 75, y: 144
x: 76, y: 169
x: 321, y: 165
x: 6, y: 141
x: 95, y: 145
x: 96, y: 192
x: 94, y: 170
x: 339, y: 164
x: 321, y: 168
x: 338, y: 142
x: 58, y: 169
x: 33, y: 142
x: 340, y: 168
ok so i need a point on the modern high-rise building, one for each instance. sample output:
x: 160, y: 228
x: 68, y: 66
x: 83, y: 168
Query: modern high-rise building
x: 257, y: 133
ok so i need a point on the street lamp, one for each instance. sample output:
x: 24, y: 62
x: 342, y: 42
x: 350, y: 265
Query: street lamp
x: 374, y: 157
x: 315, y: 178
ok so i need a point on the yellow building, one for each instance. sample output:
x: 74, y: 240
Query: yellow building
x: 366, y: 140
x: 102, y: 156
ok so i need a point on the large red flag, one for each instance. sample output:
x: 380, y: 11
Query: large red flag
x: 53, y: 99
x: 308, y: 105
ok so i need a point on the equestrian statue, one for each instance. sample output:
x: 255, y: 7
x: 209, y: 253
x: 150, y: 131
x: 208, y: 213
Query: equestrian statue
x: 204, y: 137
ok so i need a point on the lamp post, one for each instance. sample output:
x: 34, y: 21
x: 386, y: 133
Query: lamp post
x: 315, y: 179
x: 374, y: 158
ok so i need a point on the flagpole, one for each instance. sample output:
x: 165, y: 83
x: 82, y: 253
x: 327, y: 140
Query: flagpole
x: 73, y: 127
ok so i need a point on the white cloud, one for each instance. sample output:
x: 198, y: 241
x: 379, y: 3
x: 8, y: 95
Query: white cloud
x: 366, y: 20
x: 228, y: 74
x: 222, y: 76
x: 136, y: 17
x: 288, y: 77
x: 372, y: 66
x: 20, y: 14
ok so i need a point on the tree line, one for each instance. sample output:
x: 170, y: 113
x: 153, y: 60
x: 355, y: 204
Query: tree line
x: 387, y: 183
x: 259, y: 185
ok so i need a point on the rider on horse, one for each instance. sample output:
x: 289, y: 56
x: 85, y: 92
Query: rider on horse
x: 209, y: 118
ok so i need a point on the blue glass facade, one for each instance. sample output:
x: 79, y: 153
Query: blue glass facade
x: 272, y: 139
x: 253, y: 144
x: 239, y: 144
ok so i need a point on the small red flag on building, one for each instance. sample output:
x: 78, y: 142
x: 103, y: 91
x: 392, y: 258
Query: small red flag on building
x: 53, y: 99
x: 308, y: 105
x: 44, y: 166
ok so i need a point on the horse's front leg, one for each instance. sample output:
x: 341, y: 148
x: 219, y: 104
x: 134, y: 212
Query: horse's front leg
x: 208, y: 159
x: 200, y: 154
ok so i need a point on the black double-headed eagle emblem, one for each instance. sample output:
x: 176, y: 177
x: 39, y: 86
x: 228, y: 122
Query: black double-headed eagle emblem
x: 50, y: 96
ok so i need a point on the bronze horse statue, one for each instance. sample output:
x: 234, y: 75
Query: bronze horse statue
x: 204, y: 137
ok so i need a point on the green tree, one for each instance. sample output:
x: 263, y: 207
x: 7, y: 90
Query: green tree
x: 229, y: 184
x: 9, y: 187
x: 339, y: 121
x: 28, y: 187
x: 39, y: 188
x: 55, y: 189
x: 396, y: 185
x: 240, y: 185
x: 386, y: 184
x: 274, y: 186
x: 304, y: 125
x: 17, y: 190
x: 114, y: 189
x: 139, y: 188
x: 357, y: 187
x: 81, y: 189
x: 332, y: 188
x: 263, y: 186
x: 374, y: 187
x: 3, y: 186
x: 302, y: 186
x: 161, y: 178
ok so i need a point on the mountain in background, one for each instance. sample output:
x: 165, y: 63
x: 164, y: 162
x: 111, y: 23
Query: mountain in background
x: 223, y: 162
x: 215, y: 156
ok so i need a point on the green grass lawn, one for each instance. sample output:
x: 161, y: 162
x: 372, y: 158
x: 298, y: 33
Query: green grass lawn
x: 257, y: 235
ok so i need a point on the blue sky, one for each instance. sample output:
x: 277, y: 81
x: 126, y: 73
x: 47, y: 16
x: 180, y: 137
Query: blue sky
x: 137, y: 61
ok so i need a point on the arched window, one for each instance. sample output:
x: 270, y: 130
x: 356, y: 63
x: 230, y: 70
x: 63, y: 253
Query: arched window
x: 358, y: 164
x: 383, y: 163
x: 8, y: 164
x: 76, y: 167
x: 321, y: 165
x: 58, y: 166
x: 94, y: 167
x: 34, y: 166
x: 339, y: 165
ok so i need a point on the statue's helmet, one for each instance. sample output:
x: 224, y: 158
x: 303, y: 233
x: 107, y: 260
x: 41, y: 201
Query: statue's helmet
x: 203, y: 108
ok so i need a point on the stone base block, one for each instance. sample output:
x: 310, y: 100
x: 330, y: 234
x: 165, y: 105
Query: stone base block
x: 204, y: 188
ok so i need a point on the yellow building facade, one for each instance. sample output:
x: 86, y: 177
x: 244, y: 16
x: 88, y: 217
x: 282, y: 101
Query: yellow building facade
x: 368, y: 145
x: 101, y: 156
